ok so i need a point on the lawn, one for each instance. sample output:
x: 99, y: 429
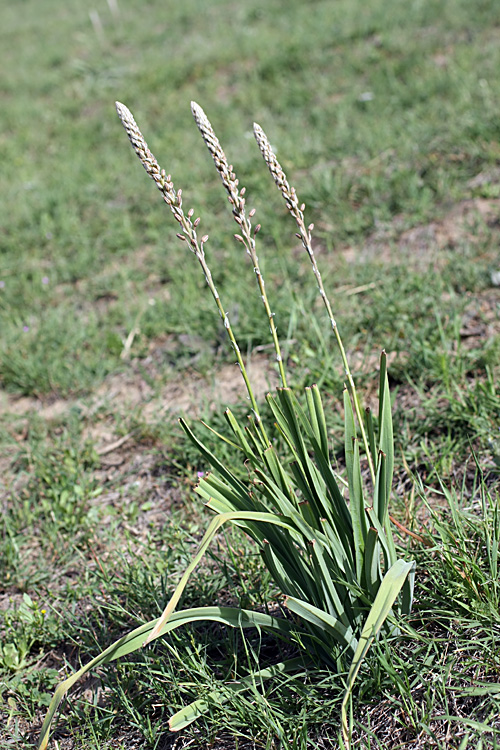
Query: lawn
x: 385, y: 117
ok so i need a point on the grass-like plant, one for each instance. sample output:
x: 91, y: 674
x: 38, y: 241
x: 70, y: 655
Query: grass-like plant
x: 331, y: 554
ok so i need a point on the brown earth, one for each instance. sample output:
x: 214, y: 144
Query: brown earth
x: 466, y: 222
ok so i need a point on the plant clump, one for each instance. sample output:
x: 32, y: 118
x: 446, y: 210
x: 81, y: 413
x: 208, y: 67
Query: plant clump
x: 326, y: 542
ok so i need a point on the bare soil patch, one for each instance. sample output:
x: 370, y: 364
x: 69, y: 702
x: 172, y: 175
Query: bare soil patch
x: 465, y: 222
x: 188, y: 392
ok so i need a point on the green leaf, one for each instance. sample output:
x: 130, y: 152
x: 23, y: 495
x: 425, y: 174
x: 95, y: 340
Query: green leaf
x: 380, y: 497
x: 331, y: 598
x: 387, y: 594
x: 337, y: 551
x: 241, y: 437
x: 386, y: 437
x: 407, y: 593
x: 371, y: 435
x: 235, y: 483
x: 313, y: 415
x: 349, y: 436
x: 214, y: 526
x: 280, y: 477
x: 297, y: 426
x: 221, y: 437
x: 289, y: 575
x: 134, y: 641
x: 483, y: 688
x: 479, y: 725
x: 336, y: 512
x: 281, y: 422
x: 317, y: 483
x: 317, y: 421
x: 385, y: 539
x: 320, y: 420
x: 324, y: 621
x: 211, y: 488
x: 357, y: 510
x: 372, y: 562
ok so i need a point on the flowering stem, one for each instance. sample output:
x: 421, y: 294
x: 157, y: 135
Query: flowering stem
x: 236, y: 197
x: 187, y: 234
x: 304, y: 234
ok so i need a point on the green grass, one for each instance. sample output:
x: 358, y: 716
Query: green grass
x: 382, y: 114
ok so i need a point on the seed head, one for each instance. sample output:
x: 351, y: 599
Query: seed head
x: 224, y: 169
x: 164, y: 182
x: 141, y: 148
x: 277, y: 172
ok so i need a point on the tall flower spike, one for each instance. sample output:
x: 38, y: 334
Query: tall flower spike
x: 223, y: 167
x: 304, y: 235
x: 245, y: 234
x: 163, y: 182
x: 277, y: 172
x: 174, y: 200
x: 141, y: 148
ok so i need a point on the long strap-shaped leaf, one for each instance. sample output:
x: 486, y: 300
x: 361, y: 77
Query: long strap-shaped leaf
x: 134, y: 640
x: 385, y: 438
x: 279, y: 475
x: 317, y: 417
x: 295, y: 579
x: 316, y: 432
x: 324, y: 621
x: 213, y: 527
x: 387, y: 594
x: 240, y: 435
x: 238, y: 486
x: 317, y: 483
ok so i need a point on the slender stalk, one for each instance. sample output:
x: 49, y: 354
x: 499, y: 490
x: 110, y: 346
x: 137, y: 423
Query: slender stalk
x: 304, y: 234
x: 236, y: 197
x: 188, y: 234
